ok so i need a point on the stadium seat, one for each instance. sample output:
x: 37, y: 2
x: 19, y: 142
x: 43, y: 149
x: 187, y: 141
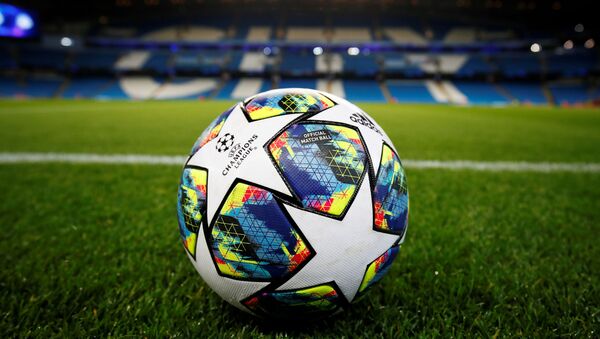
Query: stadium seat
x: 298, y: 83
x: 410, y: 92
x: 297, y: 63
x: 354, y: 34
x: 132, y: 61
x: 112, y: 92
x: 158, y: 62
x: 186, y: 88
x: 9, y: 87
x: 305, y: 34
x: 92, y: 59
x: 85, y: 87
x: 398, y: 63
x: 258, y: 34
x: 481, y: 93
x: 361, y: 65
x: 363, y: 90
x: 254, y: 62
x: 209, y: 62
x: 405, y: 35
x: 41, y: 87
x: 569, y: 93
x: 185, y: 33
x: 571, y: 64
x: 463, y: 35
x: 526, y: 93
x: 518, y: 65
x: 474, y: 65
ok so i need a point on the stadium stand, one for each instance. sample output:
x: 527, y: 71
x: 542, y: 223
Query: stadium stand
x: 571, y: 64
x: 569, y: 93
x: 132, y: 61
x: 460, y: 36
x: 372, y: 58
x: 519, y: 65
x: 259, y: 34
x: 112, y: 92
x: 410, y: 92
x: 39, y: 87
x: 158, y: 62
x: 185, y: 33
x: 405, y: 35
x: 298, y: 63
x: 354, y: 35
x: 360, y: 65
x: 306, y: 34
x: 85, y: 88
x: 94, y: 60
x: 531, y: 93
x: 481, y: 93
x: 9, y: 87
x: 186, y: 88
x: 474, y: 65
x: 363, y: 90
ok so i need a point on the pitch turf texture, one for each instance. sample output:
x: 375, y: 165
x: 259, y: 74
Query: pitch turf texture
x: 94, y: 250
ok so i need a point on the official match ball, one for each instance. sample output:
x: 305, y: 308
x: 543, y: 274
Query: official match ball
x: 292, y: 204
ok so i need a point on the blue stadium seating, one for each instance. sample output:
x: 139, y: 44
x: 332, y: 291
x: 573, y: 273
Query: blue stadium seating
x: 95, y: 60
x: 362, y: 65
x: 475, y: 65
x: 410, y: 91
x: 480, y: 93
x: 235, y: 58
x: 158, y: 62
x: 569, y: 94
x: 397, y: 63
x: 112, y: 91
x: 297, y: 63
x: 225, y: 91
x: 363, y: 90
x: 31, y: 87
x: 42, y: 87
x: 519, y: 65
x: 86, y: 87
x: 526, y: 93
x: 208, y: 62
x: 571, y: 65
x: 299, y: 83
x: 9, y: 87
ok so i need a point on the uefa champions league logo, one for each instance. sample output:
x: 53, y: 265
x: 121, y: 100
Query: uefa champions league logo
x: 238, y: 152
x: 225, y: 142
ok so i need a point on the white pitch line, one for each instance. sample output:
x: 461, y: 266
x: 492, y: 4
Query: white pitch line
x: 141, y: 159
x: 498, y: 166
x: 87, y: 158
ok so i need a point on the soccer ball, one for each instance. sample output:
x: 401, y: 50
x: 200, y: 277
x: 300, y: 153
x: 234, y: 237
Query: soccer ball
x: 292, y: 204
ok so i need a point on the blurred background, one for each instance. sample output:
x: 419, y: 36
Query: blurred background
x: 419, y: 51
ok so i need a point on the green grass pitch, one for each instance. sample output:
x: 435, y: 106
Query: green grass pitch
x: 93, y: 250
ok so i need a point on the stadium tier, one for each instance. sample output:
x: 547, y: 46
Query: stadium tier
x: 382, y: 59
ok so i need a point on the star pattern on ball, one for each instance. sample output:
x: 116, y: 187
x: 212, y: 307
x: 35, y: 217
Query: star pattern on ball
x: 331, y: 239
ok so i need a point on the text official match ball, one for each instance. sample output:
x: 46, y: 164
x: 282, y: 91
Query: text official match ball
x: 292, y: 204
